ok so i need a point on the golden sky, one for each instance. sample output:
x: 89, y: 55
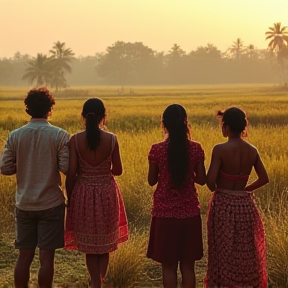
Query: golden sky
x: 89, y: 26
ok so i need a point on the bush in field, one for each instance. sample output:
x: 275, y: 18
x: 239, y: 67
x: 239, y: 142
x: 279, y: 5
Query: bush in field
x: 128, y: 263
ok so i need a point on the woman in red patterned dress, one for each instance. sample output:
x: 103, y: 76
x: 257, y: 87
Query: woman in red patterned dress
x: 96, y: 220
x: 236, y: 240
x: 175, y: 165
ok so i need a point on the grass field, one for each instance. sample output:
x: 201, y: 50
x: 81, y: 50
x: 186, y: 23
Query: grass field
x: 134, y: 116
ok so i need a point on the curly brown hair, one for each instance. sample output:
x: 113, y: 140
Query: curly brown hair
x: 39, y: 102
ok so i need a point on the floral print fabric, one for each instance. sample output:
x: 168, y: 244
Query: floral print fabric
x: 170, y: 202
x: 236, y: 242
x: 96, y: 220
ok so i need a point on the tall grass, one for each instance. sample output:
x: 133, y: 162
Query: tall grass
x: 128, y: 263
x: 136, y: 121
x: 276, y: 225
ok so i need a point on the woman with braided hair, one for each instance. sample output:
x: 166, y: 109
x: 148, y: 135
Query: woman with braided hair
x: 175, y: 165
x: 236, y: 239
x: 96, y: 219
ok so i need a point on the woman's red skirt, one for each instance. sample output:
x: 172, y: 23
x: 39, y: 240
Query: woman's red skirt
x: 172, y: 240
x: 236, y: 242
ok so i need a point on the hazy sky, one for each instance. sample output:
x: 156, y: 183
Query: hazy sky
x: 89, y: 26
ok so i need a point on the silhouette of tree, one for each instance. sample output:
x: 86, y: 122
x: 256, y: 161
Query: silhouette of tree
x: 279, y: 44
x: 207, y: 52
x: 136, y: 64
x: 125, y: 62
x: 236, y: 49
x: 176, y: 52
x: 38, y: 70
x: 175, y: 56
x: 60, y: 64
x: 204, y: 64
x: 278, y: 36
x: 7, y: 71
x: 175, y: 64
x: 251, y: 51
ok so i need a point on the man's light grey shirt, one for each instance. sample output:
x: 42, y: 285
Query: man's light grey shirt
x: 37, y: 152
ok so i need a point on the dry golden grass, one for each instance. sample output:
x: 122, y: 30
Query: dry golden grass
x: 135, y: 118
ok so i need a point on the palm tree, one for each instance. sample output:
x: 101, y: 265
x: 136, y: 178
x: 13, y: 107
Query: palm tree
x: 236, y: 49
x: 58, y: 80
x: 279, y: 44
x: 60, y: 59
x: 278, y: 36
x: 38, y: 69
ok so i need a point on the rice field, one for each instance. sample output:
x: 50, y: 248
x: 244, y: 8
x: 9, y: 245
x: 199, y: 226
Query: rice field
x: 134, y: 116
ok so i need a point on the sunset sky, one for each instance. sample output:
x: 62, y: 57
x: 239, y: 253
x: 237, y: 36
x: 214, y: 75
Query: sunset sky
x: 89, y: 26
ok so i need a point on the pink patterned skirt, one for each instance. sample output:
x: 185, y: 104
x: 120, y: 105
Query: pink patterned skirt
x: 96, y: 220
x: 236, y: 242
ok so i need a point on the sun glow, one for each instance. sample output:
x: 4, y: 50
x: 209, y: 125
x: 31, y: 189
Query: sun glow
x: 90, y: 26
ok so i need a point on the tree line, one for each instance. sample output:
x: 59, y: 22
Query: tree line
x: 126, y: 63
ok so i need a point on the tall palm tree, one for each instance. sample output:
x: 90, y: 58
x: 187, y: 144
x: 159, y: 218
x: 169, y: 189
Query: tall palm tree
x: 38, y: 69
x: 58, y: 80
x: 279, y: 45
x: 236, y: 49
x: 60, y: 64
x: 278, y: 36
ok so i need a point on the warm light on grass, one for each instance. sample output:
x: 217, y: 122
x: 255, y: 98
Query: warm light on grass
x: 135, y: 119
x: 128, y: 263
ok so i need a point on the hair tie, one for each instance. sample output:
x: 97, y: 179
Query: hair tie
x: 90, y: 113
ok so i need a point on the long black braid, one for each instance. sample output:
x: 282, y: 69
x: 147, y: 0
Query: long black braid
x: 175, y: 121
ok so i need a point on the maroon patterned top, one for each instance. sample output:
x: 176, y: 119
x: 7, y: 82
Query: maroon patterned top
x: 170, y: 202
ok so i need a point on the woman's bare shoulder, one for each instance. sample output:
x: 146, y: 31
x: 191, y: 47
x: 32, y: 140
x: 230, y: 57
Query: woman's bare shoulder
x: 220, y: 147
x: 106, y: 135
x: 250, y: 146
x: 79, y: 134
x: 253, y: 150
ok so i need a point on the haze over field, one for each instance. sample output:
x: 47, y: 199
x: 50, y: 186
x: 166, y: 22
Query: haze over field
x: 90, y: 26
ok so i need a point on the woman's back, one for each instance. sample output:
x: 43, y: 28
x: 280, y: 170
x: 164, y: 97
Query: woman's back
x: 170, y: 201
x: 96, y: 220
x: 236, y: 238
x: 100, y: 154
x: 237, y: 159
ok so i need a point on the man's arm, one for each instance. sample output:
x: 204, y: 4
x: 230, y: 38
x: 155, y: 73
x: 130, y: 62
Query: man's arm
x: 73, y: 167
x: 8, y: 159
x: 63, y: 153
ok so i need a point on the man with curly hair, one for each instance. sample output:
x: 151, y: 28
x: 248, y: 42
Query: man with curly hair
x: 37, y: 153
